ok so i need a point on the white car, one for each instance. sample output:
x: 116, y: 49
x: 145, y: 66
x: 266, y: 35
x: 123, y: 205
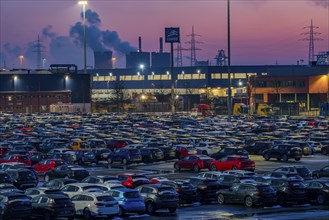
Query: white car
x: 75, y: 188
x: 95, y: 205
x: 207, y: 148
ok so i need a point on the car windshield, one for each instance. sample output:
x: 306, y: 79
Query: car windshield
x: 303, y: 170
x: 26, y: 174
x: 18, y: 197
x: 105, y: 198
x: 63, y: 201
x: 131, y: 195
x: 166, y: 189
x: 296, y: 184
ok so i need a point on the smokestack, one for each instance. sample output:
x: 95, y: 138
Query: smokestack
x: 161, y: 45
x: 139, y: 44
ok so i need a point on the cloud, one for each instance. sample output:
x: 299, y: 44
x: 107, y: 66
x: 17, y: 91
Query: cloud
x: 322, y: 3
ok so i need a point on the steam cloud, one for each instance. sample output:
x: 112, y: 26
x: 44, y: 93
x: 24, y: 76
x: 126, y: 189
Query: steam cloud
x: 97, y: 39
x: 323, y: 3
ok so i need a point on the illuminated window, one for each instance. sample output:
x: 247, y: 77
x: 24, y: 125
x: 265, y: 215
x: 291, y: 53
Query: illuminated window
x: 110, y: 78
x: 215, y: 76
x: 240, y: 75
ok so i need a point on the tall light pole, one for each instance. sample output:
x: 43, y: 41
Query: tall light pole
x: 143, y: 78
x: 84, y: 3
x: 229, y: 100
x: 21, y: 57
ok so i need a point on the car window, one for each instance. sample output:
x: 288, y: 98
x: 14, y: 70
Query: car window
x: 115, y: 194
x: 43, y: 200
x: 326, y: 169
x: 230, y: 159
x: 35, y: 199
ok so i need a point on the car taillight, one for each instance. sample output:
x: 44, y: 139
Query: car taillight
x: 98, y: 203
x: 258, y: 193
x: 177, y: 189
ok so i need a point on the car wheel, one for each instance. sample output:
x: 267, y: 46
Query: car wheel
x: 220, y: 199
x: 320, y: 199
x: 150, y: 207
x: 172, y: 210
x: 213, y: 167
x: 297, y: 159
x: 47, y: 178
x: 266, y: 157
x: 196, y: 168
x: 109, y: 161
x: 248, y: 201
x: 86, y: 214
x: 281, y: 200
x: 285, y: 157
x: 124, y: 161
x: 121, y: 212
x: 234, y: 168
x: 47, y: 216
x: 324, y: 151
x: 177, y: 167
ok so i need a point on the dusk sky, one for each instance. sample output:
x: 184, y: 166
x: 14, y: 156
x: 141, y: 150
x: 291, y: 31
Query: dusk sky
x: 263, y: 31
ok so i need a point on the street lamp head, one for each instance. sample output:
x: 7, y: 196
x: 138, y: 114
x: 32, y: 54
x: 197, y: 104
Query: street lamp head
x: 97, y: 74
x: 138, y: 73
x: 198, y: 71
x: 110, y: 74
x: 15, y: 77
x: 167, y: 72
x: 153, y: 73
x: 66, y: 77
x: 240, y: 83
x: 141, y: 66
x: 177, y: 96
x: 183, y: 72
x: 143, y: 97
x: 83, y: 3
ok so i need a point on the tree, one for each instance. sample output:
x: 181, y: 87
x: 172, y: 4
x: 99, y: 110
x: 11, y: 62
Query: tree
x: 118, y: 92
x: 189, y: 91
x: 163, y: 91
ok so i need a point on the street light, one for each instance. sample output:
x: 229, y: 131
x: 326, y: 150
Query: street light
x: 111, y: 74
x: 15, y: 79
x: 167, y: 72
x: 84, y: 3
x: 21, y: 57
x: 113, y: 62
x: 240, y: 82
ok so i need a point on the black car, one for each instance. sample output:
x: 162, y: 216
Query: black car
x: 67, y: 171
x: 287, y: 175
x: 227, y: 151
x: 186, y: 191
x: 258, y: 147
x: 249, y: 194
x: 302, y: 171
x: 68, y: 158
x: 5, y: 178
x: 168, y: 153
x: 206, y: 189
x: 15, y: 205
x: 227, y: 180
x: 101, y: 153
x: 284, y: 152
x: 323, y: 172
x: 289, y: 191
x: 157, y: 196
x: 125, y: 156
x: 23, y: 178
x: 52, y: 206
x: 39, y: 157
x: 318, y: 191
x: 59, y: 183
x: 150, y: 155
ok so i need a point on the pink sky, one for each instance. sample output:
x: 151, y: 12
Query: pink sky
x: 263, y: 32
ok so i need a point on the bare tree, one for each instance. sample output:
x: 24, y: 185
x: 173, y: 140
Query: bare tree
x: 119, y: 91
x: 163, y: 91
x: 189, y: 90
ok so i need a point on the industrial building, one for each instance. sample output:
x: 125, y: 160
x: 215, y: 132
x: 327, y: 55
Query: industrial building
x: 26, y: 91
x: 307, y: 85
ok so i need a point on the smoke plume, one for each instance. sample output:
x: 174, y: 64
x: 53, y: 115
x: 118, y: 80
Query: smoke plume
x: 323, y: 3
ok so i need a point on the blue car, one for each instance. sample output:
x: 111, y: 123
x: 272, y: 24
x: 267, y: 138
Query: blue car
x: 125, y: 156
x: 130, y: 201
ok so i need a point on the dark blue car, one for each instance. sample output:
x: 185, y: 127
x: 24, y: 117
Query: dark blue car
x: 125, y: 156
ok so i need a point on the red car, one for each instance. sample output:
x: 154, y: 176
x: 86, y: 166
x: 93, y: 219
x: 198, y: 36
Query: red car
x: 15, y: 158
x: 133, y: 180
x: 194, y: 162
x: 46, y: 165
x: 233, y: 163
x: 4, y: 150
x: 184, y: 151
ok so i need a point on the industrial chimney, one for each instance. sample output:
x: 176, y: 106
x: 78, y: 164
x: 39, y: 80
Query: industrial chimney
x: 139, y: 44
x: 161, y: 45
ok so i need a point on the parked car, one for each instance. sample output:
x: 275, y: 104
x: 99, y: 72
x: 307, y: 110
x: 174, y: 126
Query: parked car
x: 52, y: 206
x: 228, y: 151
x: 73, y: 189
x: 186, y: 191
x: 133, y: 180
x: 5, y: 178
x: 150, y: 155
x: 16, y: 165
x: 302, y: 171
x: 323, y: 172
x: 318, y: 191
x: 193, y: 162
x: 258, y: 147
x: 205, y: 188
x: 91, y: 205
x: 15, y: 205
x: 83, y: 157
x: 184, y: 151
x: 130, y: 201
x: 33, y: 192
x: 232, y: 163
x: 125, y: 156
x: 46, y: 165
x: 284, y: 152
x: 168, y: 152
x: 249, y: 194
x: 59, y: 183
x: 39, y: 157
x: 67, y: 171
x: 281, y: 174
x: 99, y: 179
x: 15, y: 158
x: 101, y: 153
x: 159, y: 197
x: 23, y: 178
